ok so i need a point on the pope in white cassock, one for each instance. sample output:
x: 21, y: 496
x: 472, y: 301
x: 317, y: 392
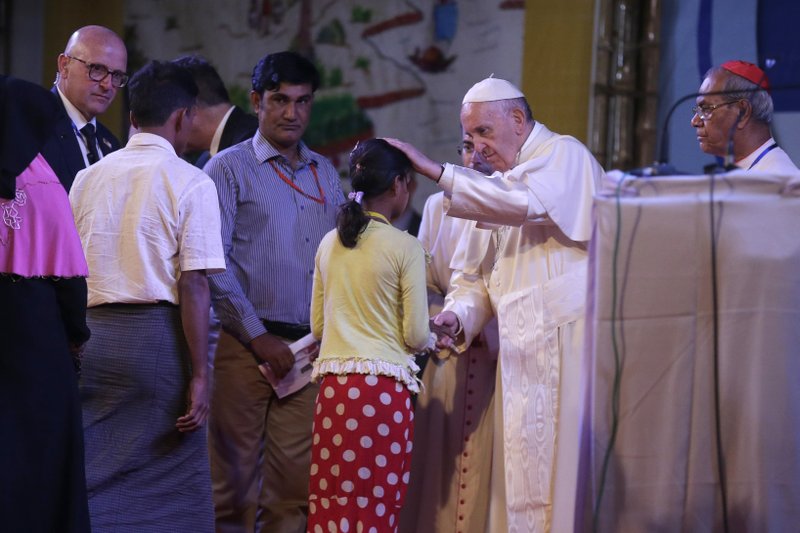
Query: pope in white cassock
x: 529, y: 270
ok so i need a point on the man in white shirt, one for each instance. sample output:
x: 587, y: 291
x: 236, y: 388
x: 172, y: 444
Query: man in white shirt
x: 150, y: 228
x: 90, y: 71
x: 732, y: 119
x: 529, y: 271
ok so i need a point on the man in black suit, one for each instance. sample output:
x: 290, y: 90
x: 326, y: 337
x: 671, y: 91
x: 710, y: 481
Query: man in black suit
x: 90, y: 71
x: 217, y: 123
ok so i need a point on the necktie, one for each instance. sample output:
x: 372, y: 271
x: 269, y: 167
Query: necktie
x: 91, y: 143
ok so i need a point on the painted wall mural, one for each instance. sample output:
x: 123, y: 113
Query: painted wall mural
x: 391, y: 68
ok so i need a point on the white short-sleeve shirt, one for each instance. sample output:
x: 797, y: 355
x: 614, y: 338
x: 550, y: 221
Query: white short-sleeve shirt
x: 144, y: 215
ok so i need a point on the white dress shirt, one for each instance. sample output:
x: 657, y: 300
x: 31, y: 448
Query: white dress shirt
x: 215, y: 140
x: 78, y: 122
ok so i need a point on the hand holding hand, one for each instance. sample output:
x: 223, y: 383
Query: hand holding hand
x: 446, y: 326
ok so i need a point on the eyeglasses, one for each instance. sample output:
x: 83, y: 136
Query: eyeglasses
x: 465, y: 148
x: 99, y: 72
x: 704, y: 111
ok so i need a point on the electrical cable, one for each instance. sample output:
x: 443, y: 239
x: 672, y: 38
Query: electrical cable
x: 728, y: 165
x: 617, y: 360
x: 662, y: 164
x: 721, y: 472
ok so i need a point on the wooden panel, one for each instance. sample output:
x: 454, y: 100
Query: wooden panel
x: 557, y: 63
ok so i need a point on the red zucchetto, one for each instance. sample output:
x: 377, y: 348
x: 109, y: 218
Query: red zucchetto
x: 748, y: 71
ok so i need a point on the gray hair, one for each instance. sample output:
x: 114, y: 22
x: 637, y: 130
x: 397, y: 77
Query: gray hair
x: 507, y: 106
x: 739, y: 88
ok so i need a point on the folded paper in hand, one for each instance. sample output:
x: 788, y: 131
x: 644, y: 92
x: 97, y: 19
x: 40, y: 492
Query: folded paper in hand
x: 300, y: 374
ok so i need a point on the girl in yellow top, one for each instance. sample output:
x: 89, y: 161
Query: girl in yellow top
x: 369, y: 307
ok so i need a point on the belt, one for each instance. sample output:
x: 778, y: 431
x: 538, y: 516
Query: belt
x: 131, y: 305
x: 286, y: 330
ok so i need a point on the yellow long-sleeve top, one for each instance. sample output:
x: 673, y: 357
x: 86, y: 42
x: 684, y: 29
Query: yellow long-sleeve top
x: 369, y: 304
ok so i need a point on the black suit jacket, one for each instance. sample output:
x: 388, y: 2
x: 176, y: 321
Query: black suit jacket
x: 63, y: 151
x: 239, y: 127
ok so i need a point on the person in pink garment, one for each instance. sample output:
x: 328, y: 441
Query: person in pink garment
x: 42, y: 326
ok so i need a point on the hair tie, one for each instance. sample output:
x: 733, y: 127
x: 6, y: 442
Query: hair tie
x: 356, y: 195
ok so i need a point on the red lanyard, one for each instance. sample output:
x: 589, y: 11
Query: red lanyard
x: 290, y: 183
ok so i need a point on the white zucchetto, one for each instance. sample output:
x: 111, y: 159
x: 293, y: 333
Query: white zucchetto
x: 491, y: 90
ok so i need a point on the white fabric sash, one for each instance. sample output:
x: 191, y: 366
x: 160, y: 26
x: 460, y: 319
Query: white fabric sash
x: 531, y: 360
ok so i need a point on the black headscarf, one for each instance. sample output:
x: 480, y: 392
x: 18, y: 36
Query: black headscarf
x: 28, y: 117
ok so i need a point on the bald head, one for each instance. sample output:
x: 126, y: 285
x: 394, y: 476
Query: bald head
x: 91, y: 37
x: 97, y: 46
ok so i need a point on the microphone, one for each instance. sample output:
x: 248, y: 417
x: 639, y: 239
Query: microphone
x: 728, y: 160
x: 662, y: 158
x: 663, y: 155
x: 661, y: 166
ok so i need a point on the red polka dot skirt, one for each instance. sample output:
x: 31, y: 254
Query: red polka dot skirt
x: 361, y: 454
